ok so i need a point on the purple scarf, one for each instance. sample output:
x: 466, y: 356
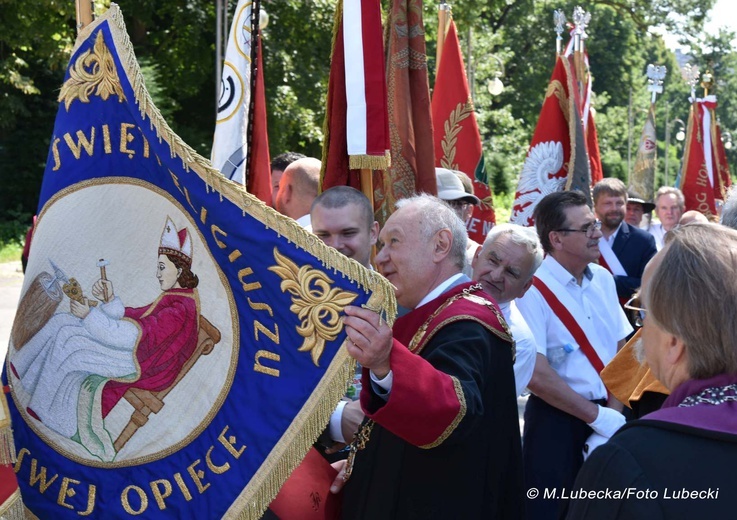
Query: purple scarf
x: 709, y: 404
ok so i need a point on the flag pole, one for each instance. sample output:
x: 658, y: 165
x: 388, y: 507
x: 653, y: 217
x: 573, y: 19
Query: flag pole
x: 581, y: 20
x: 559, y: 18
x: 367, y: 184
x: 443, y: 19
x: 84, y: 13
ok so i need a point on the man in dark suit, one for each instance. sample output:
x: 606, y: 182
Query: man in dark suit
x: 625, y: 249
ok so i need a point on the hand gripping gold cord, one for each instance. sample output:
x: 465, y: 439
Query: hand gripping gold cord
x: 360, y: 439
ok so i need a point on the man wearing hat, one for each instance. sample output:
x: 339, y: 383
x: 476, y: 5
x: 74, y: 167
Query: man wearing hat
x: 636, y: 208
x: 451, y: 191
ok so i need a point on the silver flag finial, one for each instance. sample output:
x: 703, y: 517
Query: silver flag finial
x: 691, y: 76
x: 655, y: 76
x: 559, y: 19
x: 581, y: 20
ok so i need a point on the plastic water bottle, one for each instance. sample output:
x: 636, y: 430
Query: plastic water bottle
x: 557, y: 355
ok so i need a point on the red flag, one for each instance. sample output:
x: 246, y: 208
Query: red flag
x: 557, y: 158
x: 410, y: 123
x: 356, y: 122
x: 725, y: 179
x: 700, y: 179
x: 457, y: 136
x: 592, y: 136
x: 258, y: 181
x: 306, y: 493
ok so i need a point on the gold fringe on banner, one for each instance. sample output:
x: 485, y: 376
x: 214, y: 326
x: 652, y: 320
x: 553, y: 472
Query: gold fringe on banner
x: 311, y: 421
x: 7, y: 446
x: 280, y: 463
x: 13, y: 508
x: 370, y: 162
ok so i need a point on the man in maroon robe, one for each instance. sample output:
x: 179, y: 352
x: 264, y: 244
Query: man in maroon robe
x: 441, y: 439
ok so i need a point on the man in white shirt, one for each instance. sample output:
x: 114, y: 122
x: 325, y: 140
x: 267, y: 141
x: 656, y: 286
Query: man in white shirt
x: 578, y: 325
x: 504, y: 266
x: 297, y: 189
x: 669, y: 206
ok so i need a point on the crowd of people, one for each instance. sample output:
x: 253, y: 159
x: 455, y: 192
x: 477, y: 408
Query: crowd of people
x: 543, y: 310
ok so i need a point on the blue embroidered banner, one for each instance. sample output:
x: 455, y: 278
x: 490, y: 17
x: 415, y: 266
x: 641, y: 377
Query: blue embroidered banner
x: 177, y: 346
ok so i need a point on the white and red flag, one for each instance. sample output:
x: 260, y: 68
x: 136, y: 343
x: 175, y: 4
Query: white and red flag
x: 357, y: 124
x: 701, y: 181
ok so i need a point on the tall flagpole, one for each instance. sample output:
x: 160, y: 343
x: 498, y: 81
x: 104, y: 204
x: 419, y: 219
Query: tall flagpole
x: 218, y: 52
x: 443, y: 20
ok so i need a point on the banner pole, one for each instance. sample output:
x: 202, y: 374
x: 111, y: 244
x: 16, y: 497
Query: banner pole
x: 84, y: 13
x: 443, y: 18
x: 367, y: 188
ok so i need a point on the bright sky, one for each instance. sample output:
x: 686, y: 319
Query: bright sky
x: 723, y: 14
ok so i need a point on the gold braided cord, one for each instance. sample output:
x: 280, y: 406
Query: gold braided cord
x: 311, y: 420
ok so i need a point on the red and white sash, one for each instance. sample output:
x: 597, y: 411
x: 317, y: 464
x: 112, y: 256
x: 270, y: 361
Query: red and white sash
x: 570, y: 323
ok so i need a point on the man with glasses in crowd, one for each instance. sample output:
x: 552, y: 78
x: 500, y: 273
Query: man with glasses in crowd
x: 574, y: 315
x: 452, y: 192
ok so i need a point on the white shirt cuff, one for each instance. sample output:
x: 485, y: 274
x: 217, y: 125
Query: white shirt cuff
x: 382, y: 387
x: 335, y: 429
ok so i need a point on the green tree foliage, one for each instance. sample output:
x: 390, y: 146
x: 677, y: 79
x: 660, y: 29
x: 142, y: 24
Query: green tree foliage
x: 297, y: 46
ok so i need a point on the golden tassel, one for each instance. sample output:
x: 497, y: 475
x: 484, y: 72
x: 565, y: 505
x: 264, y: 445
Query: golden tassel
x: 370, y: 162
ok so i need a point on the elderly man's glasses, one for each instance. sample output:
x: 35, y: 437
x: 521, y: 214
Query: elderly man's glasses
x: 635, y: 304
x: 589, y: 230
